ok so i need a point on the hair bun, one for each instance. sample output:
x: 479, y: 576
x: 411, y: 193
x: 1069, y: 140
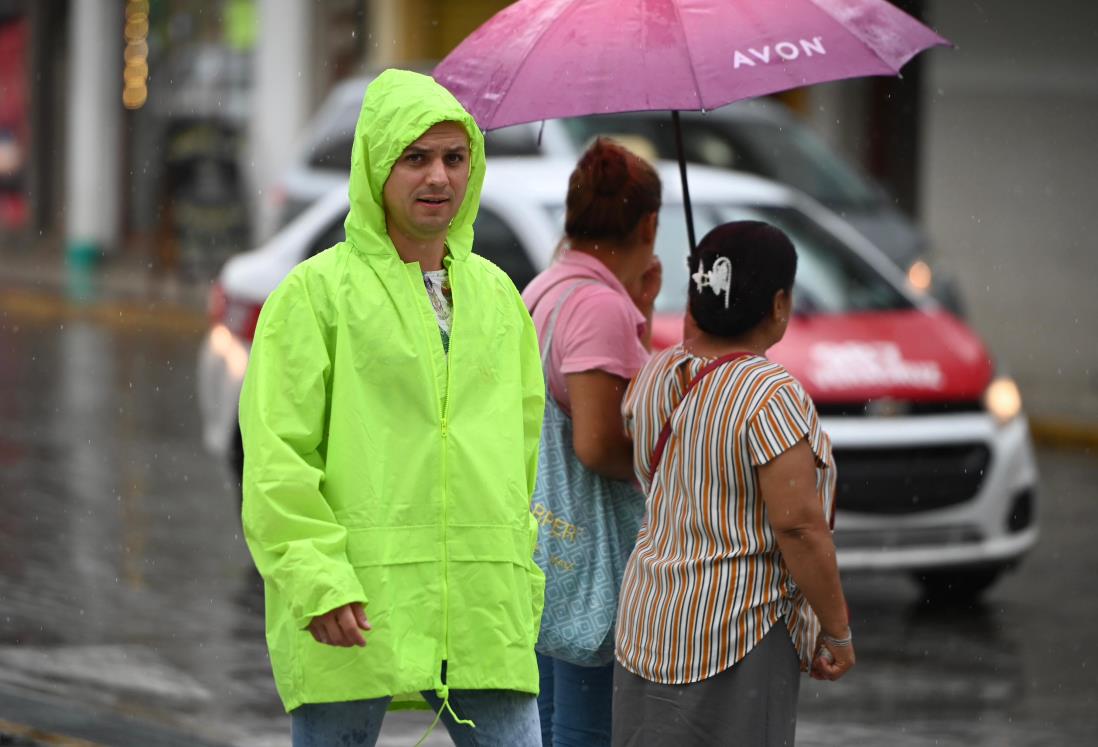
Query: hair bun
x: 608, y: 170
x: 608, y: 192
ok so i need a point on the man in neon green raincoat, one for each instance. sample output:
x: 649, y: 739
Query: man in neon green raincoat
x: 390, y: 417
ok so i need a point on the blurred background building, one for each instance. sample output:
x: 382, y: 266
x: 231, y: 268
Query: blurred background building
x: 154, y: 131
x: 154, y: 127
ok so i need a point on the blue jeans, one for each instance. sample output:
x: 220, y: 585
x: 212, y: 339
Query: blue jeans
x: 503, y: 718
x: 575, y: 703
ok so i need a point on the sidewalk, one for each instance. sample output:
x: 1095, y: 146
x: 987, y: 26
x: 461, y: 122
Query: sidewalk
x: 123, y: 290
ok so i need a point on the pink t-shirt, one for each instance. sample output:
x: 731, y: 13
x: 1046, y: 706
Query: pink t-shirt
x: 599, y: 327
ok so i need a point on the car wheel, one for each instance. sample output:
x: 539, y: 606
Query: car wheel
x: 959, y: 585
x: 236, y: 463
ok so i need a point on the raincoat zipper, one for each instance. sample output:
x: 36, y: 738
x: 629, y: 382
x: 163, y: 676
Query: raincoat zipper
x: 445, y: 473
x: 443, y: 412
x: 444, y: 691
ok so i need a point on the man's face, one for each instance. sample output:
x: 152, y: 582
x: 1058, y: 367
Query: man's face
x: 427, y: 184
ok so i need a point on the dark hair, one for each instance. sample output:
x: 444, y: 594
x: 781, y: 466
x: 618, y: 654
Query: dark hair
x: 609, y: 191
x: 763, y: 262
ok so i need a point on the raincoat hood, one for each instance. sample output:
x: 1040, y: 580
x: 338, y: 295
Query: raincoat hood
x: 398, y: 108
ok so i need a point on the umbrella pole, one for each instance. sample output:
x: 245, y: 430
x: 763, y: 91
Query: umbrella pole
x: 685, y: 184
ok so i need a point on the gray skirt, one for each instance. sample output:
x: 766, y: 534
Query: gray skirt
x: 753, y: 703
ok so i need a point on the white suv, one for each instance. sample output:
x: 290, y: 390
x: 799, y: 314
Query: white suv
x: 937, y: 474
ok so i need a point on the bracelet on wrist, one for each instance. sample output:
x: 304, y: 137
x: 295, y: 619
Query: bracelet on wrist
x: 838, y: 642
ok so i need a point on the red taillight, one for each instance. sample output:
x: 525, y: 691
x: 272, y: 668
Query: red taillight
x: 238, y: 316
x: 241, y: 318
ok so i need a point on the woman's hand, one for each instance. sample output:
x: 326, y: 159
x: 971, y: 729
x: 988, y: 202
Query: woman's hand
x: 643, y: 292
x: 646, y: 289
x: 832, y: 661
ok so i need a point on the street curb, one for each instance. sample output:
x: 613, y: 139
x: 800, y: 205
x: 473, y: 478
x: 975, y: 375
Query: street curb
x: 1064, y: 434
x: 118, y: 291
x: 128, y: 314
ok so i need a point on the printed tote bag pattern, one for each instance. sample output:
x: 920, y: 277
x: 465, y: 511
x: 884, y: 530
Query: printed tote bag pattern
x: 588, y: 525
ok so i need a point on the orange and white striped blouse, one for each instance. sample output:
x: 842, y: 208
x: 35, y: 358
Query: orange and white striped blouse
x: 706, y: 580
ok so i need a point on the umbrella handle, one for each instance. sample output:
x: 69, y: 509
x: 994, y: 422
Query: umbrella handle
x: 685, y: 184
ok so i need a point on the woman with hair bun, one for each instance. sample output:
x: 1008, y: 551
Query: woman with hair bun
x: 600, y: 291
x: 732, y: 588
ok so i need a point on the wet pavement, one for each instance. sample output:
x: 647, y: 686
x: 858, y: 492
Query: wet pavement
x: 126, y: 593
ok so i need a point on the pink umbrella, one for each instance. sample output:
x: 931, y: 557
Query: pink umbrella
x: 544, y: 59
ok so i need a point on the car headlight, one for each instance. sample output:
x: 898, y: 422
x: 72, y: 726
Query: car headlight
x: 1003, y: 399
x: 920, y: 276
x: 229, y: 349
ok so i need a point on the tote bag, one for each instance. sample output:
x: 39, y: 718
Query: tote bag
x: 587, y: 526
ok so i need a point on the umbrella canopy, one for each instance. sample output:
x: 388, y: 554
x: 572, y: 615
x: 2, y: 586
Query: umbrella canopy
x: 545, y: 59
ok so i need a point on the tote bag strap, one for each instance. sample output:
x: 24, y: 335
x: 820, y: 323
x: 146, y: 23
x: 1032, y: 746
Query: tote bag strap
x: 551, y: 327
x: 657, y: 453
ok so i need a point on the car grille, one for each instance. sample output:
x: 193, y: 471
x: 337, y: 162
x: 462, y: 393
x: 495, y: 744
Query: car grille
x: 895, y: 538
x: 909, y: 480
x: 887, y: 407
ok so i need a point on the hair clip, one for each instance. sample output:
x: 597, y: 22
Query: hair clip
x: 719, y: 278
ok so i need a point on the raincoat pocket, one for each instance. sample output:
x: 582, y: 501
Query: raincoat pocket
x: 504, y: 554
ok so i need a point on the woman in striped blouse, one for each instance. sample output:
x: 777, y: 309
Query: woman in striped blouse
x: 733, y: 587
x: 604, y: 285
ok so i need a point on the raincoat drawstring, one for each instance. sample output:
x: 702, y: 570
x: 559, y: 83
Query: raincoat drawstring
x: 444, y: 691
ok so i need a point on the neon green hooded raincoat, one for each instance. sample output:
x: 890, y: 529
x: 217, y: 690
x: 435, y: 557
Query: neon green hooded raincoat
x: 363, y: 481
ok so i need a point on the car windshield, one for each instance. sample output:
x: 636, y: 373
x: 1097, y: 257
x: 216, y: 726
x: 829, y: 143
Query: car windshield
x: 795, y: 156
x: 787, y: 153
x: 331, y: 151
x: 831, y: 277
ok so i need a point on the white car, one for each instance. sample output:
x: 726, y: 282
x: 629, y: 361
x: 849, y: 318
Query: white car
x: 760, y: 137
x: 937, y: 474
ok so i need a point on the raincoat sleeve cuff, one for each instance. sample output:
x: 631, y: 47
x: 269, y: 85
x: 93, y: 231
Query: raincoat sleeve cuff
x: 328, y: 598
